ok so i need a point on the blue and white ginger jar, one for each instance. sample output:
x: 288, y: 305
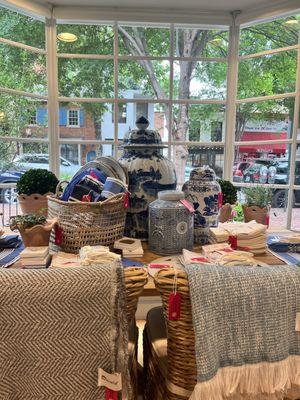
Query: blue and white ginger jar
x: 149, y: 172
x: 202, y: 190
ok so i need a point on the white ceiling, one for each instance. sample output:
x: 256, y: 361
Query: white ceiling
x: 215, y: 12
x: 203, y: 5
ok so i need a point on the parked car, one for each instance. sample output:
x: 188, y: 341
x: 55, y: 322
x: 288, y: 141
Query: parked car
x: 281, y: 178
x: 9, y: 194
x: 25, y: 162
x: 238, y: 170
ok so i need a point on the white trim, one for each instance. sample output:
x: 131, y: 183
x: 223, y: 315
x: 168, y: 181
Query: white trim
x: 23, y: 139
x: 53, y: 113
x: 29, y: 8
x: 232, y: 79
x: 264, y: 98
x: 268, y: 52
x: 143, y: 15
x: 268, y: 185
x: 22, y: 46
x: 68, y: 118
x: 116, y: 89
x: 265, y: 12
x: 23, y: 93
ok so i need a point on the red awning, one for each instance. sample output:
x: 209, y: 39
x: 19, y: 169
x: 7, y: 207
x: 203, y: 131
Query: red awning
x: 258, y: 148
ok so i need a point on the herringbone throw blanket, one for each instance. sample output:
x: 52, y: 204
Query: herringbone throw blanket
x: 245, y: 330
x: 57, y: 327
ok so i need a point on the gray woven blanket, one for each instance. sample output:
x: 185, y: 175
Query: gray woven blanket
x: 57, y: 327
x: 245, y: 329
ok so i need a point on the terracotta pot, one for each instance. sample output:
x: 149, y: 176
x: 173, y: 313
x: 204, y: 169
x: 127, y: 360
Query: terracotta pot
x: 34, y: 203
x: 38, y: 235
x: 225, y: 212
x: 256, y: 213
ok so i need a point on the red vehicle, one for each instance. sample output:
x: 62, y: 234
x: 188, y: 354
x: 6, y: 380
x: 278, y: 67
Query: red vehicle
x: 238, y: 170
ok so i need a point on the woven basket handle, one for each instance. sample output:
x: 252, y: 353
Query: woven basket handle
x: 58, y: 187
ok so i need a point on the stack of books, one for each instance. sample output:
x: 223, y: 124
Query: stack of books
x: 131, y: 248
x: 35, y: 257
x: 246, y: 236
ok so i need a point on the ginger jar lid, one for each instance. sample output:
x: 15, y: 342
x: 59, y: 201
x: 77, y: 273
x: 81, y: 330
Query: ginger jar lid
x: 142, y: 137
x: 204, y: 173
x: 171, y: 195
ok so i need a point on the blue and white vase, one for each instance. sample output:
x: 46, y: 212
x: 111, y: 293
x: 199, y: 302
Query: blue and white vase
x: 149, y: 172
x: 202, y: 190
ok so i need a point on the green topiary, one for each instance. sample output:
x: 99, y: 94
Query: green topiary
x: 229, y: 191
x: 259, y: 196
x: 38, y: 181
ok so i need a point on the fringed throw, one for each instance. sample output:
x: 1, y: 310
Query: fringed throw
x: 58, y: 327
x: 245, y: 320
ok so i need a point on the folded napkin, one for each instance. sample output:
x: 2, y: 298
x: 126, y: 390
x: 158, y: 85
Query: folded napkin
x: 97, y: 255
x: 10, y: 256
x: 10, y: 241
x: 288, y: 244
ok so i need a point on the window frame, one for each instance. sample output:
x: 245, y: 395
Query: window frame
x: 71, y: 110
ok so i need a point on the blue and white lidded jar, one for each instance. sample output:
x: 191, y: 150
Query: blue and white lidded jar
x: 171, y: 224
x: 202, y: 190
x: 149, y: 172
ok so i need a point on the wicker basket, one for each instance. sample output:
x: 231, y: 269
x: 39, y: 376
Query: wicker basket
x: 135, y: 280
x: 182, y: 370
x: 87, y: 223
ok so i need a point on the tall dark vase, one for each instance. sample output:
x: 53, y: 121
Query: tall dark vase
x: 149, y: 172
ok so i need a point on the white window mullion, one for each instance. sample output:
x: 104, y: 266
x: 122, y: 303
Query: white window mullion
x: 294, y: 144
x: 116, y: 89
x: 52, y: 85
x: 232, y: 79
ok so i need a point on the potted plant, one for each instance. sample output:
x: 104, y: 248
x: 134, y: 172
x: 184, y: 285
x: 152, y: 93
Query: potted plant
x: 33, y: 188
x: 34, y: 229
x: 229, y: 199
x: 258, y: 203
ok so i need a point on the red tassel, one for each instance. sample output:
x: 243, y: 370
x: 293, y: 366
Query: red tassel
x: 86, y: 198
x: 200, y: 259
x: 58, y: 235
x: 93, y: 175
x: 126, y: 200
x: 233, y: 242
x: 174, y: 306
x: 268, y: 220
x: 111, y: 394
x: 220, y: 200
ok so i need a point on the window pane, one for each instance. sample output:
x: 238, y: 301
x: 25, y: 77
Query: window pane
x: 140, y: 41
x: 156, y: 113
x: 89, y: 39
x: 297, y: 166
x: 23, y: 117
x: 264, y: 163
x: 94, y: 121
x: 142, y: 79
x: 296, y: 211
x: 86, y: 78
x: 196, y: 156
x: 73, y: 156
x: 206, y: 122
x: 20, y: 28
x: 200, y: 43
x: 271, y: 35
x: 265, y: 120
x: 207, y: 80
x: 267, y: 75
x: 23, y: 70
x: 16, y: 156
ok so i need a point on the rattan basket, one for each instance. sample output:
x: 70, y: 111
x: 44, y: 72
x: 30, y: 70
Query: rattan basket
x: 182, y: 370
x: 85, y: 224
x: 135, y: 280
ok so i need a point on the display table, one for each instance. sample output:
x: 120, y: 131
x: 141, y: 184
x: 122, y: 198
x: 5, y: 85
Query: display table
x: 150, y: 290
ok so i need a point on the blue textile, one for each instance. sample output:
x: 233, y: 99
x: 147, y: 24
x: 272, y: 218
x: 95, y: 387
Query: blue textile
x: 69, y: 188
x: 10, y: 242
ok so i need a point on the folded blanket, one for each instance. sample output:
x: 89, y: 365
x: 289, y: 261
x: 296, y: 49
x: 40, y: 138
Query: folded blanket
x: 245, y: 322
x: 10, y: 241
x: 58, y: 327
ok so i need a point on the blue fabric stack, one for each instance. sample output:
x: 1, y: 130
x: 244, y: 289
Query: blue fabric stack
x: 10, y: 248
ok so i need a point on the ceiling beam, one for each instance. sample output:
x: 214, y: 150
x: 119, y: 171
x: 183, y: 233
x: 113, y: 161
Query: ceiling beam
x: 29, y: 7
x: 266, y: 12
x: 153, y: 15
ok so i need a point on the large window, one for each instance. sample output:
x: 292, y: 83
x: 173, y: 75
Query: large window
x: 267, y: 110
x: 181, y: 78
